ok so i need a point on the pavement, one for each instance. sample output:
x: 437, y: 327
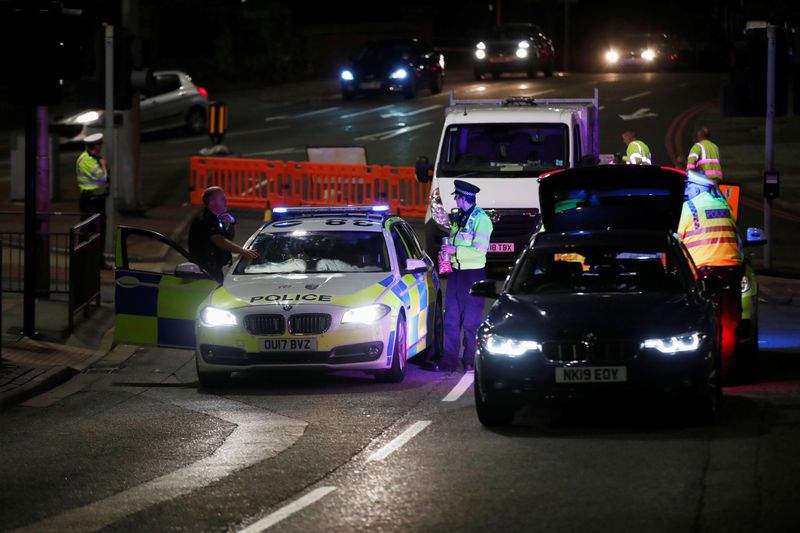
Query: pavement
x: 31, y: 366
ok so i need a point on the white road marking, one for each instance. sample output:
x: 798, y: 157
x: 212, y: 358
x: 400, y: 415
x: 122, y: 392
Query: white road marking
x: 642, y: 112
x: 411, y: 113
x: 259, y: 130
x: 317, y: 112
x: 637, y: 95
x: 292, y: 150
x: 540, y: 93
x: 388, y: 134
x: 461, y: 387
x: 601, y: 108
x: 366, y: 112
x: 288, y: 510
x: 277, y: 117
x: 398, y: 442
x: 258, y: 436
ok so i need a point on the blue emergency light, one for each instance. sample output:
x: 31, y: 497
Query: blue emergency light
x: 352, y: 210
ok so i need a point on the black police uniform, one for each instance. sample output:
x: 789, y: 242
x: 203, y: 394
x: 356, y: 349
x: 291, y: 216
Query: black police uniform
x: 202, y: 250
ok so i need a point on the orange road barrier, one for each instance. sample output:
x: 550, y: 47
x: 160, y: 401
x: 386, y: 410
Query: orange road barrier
x: 264, y: 184
x: 731, y: 193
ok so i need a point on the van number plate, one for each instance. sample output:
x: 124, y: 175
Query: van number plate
x: 501, y: 247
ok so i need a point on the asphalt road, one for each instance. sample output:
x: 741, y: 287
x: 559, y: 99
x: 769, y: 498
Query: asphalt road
x: 132, y: 444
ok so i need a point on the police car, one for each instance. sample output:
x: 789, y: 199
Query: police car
x: 332, y: 288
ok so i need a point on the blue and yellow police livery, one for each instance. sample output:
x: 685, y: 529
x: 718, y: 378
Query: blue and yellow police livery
x: 333, y: 288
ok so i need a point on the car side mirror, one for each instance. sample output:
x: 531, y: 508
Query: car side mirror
x: 715, y: 285
x: 754, y: 237
x: 414, y: 266
x: 190, y: 271
x: 424, y: 170
x: 484, y: 289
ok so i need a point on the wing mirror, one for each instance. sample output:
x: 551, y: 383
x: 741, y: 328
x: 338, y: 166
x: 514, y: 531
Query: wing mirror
x: 424, y: 170
x: 190, y: 271
x: 754, y: 237
x: 484, y: 289
x: 414, y: 266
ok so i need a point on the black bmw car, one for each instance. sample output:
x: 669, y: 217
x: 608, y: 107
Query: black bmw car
x: 606, y: 301
x: 394, y: 65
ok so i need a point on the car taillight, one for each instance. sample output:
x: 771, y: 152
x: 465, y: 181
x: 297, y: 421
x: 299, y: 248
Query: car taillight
x: 202, y: 91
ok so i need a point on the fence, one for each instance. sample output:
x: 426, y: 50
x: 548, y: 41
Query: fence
x: 261, y: 184
x: 68, y: 259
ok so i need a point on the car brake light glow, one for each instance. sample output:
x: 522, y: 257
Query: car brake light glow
x: 202, y: 92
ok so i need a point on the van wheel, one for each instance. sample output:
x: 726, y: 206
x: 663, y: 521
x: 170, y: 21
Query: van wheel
x: 398, y: 370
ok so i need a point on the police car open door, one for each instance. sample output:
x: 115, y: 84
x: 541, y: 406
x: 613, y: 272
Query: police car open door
x: 156, y: 299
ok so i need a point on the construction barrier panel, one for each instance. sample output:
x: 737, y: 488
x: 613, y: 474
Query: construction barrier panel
x: 731, y: 193
x: 265, y: 184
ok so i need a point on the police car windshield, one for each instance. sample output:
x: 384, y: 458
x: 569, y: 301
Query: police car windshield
x: 503, y: 150
x: 317, y: 252
x: 599, y: 269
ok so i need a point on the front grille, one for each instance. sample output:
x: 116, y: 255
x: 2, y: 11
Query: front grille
x: 602, y: 352
x: 513, y: 226
x: 264, y: 324
x: 309, y: 324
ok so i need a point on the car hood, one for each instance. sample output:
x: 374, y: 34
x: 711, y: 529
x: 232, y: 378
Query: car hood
x: 603, y: 316
x: 640, y: 197
x: 299, y: 289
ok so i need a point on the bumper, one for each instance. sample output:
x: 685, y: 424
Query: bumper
x: 382, y: 86
x: 533, y: 379
x: 496, y: 64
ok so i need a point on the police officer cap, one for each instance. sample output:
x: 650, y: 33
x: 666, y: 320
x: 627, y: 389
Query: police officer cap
x: 698, y: 178
x: 94, y: 138
x: 466, y: 189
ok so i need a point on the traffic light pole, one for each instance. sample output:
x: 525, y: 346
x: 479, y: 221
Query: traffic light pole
x: 109, y: 137
x: 769, y: 142
x: 31, y: 224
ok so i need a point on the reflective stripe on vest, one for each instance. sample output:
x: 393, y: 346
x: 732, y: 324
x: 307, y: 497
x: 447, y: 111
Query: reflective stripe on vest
x: 704, y: 157
x: 639, y: 157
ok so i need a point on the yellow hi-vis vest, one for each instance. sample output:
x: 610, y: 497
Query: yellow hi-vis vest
x: 471, y: 241
x: 708, y: 230
x: 92, y: 177
x: 704, y: 157
x: 638, y: 154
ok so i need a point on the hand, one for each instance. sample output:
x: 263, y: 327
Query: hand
x: 449, y: 249
x: 104, y: 163
x: 249, y: 254
x: 226, y: 218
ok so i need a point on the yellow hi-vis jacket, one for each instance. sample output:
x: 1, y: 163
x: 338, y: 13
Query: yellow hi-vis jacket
x: 704, y: 157
x: 471, y: 240
x: 638, y: 154
x: 92, y: 177
x: 708, y: 230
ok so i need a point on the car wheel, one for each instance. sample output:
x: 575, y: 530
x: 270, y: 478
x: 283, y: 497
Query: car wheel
x: 437, y: 83
x: 411, y: 90
x: 348, y: 95
x: 549, y: 69
x: 196, y: 120
x: 704, y: 408
x: 495, y: 75
x: 492, y: 411
x: 747, y: 360
x: 210, y: 380
x: 437, y: 346
x: 398, y: 370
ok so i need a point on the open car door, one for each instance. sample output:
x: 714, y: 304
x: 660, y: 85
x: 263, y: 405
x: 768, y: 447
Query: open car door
x: 155, y: 303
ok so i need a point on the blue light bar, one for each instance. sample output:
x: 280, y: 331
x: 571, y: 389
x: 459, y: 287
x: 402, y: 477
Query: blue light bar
x: 307, y: 211
x: 280, y: 210
x: 380, y: 208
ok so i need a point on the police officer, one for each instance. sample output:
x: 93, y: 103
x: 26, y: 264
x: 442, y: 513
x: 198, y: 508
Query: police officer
x: 92, y: 173
x: 211, y: 234
x: 470, y: 232
x: 708, y: 229
x: 638, y: 153
x: 704, y: 156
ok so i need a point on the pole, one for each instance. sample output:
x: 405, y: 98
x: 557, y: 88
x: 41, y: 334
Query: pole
x: 566, y: 35
x: 29, y: 288
x: 769, y: 141
x: 108, y: 138
x: 43, y: 201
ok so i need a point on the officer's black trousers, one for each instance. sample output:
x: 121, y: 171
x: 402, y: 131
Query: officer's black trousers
x: 462, y: 311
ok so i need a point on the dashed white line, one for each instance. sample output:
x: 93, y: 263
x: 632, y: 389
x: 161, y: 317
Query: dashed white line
x: 277, y: 117
x: 388, y: 134
x: 410, y: 113
x: 288, y: 510
x: 540, y: 93
x: 398, y: 442
x: 366, y: 112
x: 317, y: 112
x: 601, y: 108
x: 637, y: 95
x: 259, y: 130
x: 461, y: 387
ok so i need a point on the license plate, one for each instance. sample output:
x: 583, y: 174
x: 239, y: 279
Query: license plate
x: 592, y: 374
x: 501, y: 247
x: 501, y: 59
x: 370, y: 85
x: 289, y: 345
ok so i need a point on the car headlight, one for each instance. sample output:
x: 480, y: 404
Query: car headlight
x: 497, y: 345
x: 399, y: 74
x: 87, y: 117
x: 679, y: 343
x: 522, y: 53
x: 441, y: 61
x: 214, y: 316
x: 524, y: 44
x: 612, y: 56
x: 648, y: 55
x: 437, y: 210
x: 480, y: 54
x: 746, y: 284
x: 481, y: 46
x: 347, y: 75
x: 366, y: 314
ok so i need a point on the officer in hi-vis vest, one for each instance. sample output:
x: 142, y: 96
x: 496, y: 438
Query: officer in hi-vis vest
x: 470, y: 232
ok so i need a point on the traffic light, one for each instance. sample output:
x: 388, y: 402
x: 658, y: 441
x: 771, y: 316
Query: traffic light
x: 130, y: 73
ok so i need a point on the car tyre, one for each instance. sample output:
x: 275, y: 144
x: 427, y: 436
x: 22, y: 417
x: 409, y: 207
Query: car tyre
x: 196, y: 120
x: 478, y: 75
x: 210, y: 380
x: 411, y: 90
x: 495, y: 75
x: 492, y: 411
x: 747, y: 360
x: 549, y: 69
x: 704, y: 408
x: 437, y: 346
x: 348, y: 95
x: 437, y: 83
x: 533, y: 72
x: 397, y: 372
